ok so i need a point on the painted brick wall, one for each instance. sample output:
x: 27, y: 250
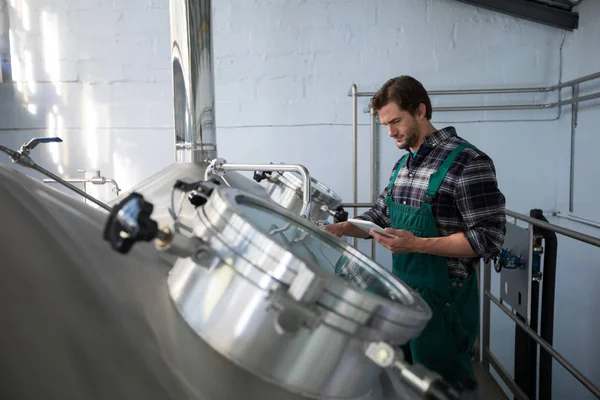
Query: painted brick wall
x: 97, y: 73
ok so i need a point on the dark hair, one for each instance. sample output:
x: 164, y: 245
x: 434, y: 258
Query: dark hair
x: 407, y: 92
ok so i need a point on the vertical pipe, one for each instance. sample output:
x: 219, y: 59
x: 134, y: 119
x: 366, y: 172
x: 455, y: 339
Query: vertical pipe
x: 5, y: 75
x: 374, y: 162
x: 574, y: 107
x: 354, y: 152
x: 525, y: 357
x: 485, y: 334
x: 193, y: 80
x: 547, y: 306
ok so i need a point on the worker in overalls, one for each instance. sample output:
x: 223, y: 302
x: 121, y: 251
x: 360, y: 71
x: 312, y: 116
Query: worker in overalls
x: 445, y: 211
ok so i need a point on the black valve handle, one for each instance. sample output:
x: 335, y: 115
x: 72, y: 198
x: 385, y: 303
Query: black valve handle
x: 129, y: 222
x: 340, y: 215
x: 259, y: 176
x: 203, y: 190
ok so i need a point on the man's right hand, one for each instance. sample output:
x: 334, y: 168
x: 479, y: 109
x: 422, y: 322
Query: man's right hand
x: 336, y: 229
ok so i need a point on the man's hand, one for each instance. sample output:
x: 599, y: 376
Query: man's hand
x: 455, y: 245
x: 402, y: 242
x: 335, y: 229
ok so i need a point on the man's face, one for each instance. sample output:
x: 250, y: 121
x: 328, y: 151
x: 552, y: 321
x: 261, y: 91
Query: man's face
x: 402, y: 126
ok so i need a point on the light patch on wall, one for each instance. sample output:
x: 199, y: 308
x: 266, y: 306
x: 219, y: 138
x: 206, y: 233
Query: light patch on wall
x: 51, y: 131
x: 32, y: 108
x: 122, y: 167
x: 29, y: 72
x: 25, y: 15
x: 90, y: 125
x: 50, y: 44
x: 55, y: 128
x: 17, y: 70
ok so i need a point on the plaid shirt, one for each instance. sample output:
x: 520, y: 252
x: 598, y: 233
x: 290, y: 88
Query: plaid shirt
x: 468, y: 200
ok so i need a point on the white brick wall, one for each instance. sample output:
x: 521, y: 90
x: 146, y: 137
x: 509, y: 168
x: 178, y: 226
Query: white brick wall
x: 112, y: 56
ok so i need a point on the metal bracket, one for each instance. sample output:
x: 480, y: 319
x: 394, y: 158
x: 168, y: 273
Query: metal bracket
x: 515, y: 275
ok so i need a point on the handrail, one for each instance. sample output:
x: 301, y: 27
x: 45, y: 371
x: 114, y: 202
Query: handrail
x: 575, y: 218
x: 546, y: 346
x: 582, y: 237
x: 542, y: 89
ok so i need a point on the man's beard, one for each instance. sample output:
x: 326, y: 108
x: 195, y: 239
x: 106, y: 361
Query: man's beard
x: 412, y: 137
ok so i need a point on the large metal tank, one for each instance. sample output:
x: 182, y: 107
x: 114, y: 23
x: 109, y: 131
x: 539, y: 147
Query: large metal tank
x: 80, y: 321
x: 263, y: 292
x: 287, y: 190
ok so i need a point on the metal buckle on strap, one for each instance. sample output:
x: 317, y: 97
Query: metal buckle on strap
x: 428, y: 199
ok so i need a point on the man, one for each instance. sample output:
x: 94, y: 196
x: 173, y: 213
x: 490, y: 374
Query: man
x: 445, y: 211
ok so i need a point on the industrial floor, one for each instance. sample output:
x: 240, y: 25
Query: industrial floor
x: 490, y: 390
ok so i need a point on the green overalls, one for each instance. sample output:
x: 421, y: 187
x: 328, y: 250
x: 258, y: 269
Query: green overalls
x: 446, y: 344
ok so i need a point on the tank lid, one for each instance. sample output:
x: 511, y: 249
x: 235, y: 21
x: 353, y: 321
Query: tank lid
x: 280, y: 244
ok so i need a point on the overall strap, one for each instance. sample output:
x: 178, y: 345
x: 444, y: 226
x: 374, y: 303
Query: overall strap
x: 402, y: 161
x: 436, y: 178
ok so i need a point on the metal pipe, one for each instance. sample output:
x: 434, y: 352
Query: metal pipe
x: 73, y: 188
x: 75, y: 180
x: 193, y: 80
x: 117, y: 189
x: 487, y: 285
x: 501, y: 90
x: 505, y: 375
x: 557, y: 356
x: 574, y: 107
x: 357, y: 205
x: 473, y: 91
x: 373, y: 128
x: 575, y: 100
x: 577, y: 81
x: 577, y: 219
x: 547, y: 304
x: 84, y: 181
x: 555, y: 228
x: 276, y: 167
x: 354, y: 152
x: 493, y: 108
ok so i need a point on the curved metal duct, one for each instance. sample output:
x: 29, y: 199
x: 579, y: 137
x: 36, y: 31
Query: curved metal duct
x: 194, y: 113
x: 193, y: 81
x: 4, y: 42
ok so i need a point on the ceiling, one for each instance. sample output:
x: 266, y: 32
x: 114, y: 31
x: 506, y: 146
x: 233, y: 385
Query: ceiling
x: 555, y: 13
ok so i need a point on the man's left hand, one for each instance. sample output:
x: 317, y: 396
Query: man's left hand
x: 402, y: 242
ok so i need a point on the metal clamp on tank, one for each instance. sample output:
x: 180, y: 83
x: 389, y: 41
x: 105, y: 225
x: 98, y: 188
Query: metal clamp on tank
x: 425, y: 383
x: 129, y: 222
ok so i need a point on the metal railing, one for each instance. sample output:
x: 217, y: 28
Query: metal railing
x: 485, y: 354
x: 573, y: 101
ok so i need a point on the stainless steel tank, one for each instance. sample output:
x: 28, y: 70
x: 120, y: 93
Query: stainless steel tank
x: 286, y: 189
x: 80, y: 321
x: 265, y: 294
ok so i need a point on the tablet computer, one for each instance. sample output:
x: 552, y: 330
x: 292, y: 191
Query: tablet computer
x: 368, y: 225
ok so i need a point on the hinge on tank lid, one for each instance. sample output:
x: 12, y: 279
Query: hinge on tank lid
x: 296, y: 303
